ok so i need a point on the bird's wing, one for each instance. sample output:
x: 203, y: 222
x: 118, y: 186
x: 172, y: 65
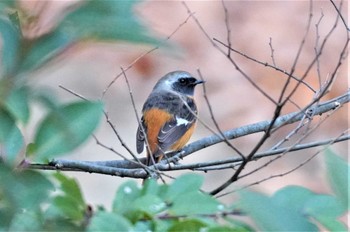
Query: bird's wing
x: 174, y: 129
x: 140, y: 137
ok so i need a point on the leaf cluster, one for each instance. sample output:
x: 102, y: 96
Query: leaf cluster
x: 32, y: 201
x: 65, y: 126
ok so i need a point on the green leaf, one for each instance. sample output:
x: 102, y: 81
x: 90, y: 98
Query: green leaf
x: 187, y: 225
x: 66, y: 128
x: 10, y: 137
x: 69, y: 203
x: 271, y: 216
x: 151, y: 187
x: 44, y: 49
x: 338, y: 176
x: 17, y: 104
x: 24, y: 189
x: 70, y: 187
x: 67, y: 207
x: 93, y: 19
x: 149, y: 204
x: 26, y: 221
x: 103, y: 221
x: 226, y: 229
x: 238, y: 225
x: 6, y: 4
x: 326, y: 209
x: 10, y: 39
x: 46, y: 97
x: 193, y: 203
x: 106, y: 20
x: 127, y: 193
x: 184, y: 184
x: 293, y: 197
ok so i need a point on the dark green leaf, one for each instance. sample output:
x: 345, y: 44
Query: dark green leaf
x: 10, y: 137
x: 271, y: 216
x: 66, y: 128
x: 338, y: 176
x: 187, y: 225
x: 10, y: 40
x: 103, y: 221
x: 184, y: 184
x: 192, y: 203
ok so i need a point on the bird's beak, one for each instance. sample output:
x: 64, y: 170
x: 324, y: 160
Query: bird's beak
x: 199, y: 82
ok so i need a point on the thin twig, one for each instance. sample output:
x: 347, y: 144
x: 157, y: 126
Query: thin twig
x: 340, y: 14
x: 327, y: 145
x: 214, y: 120
x: 141, y: 56
x: 245, y: 75
x: 272, y: 51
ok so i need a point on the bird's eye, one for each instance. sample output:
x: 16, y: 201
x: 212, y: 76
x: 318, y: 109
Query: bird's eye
x: 183, y: 81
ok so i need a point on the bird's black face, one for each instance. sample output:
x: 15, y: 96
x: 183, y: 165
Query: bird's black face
x: 186, y: 85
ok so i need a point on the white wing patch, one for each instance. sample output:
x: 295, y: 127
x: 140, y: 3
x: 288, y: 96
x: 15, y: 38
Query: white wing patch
x: 181, y: 121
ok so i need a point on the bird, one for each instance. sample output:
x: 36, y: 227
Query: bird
x: 169, y: 116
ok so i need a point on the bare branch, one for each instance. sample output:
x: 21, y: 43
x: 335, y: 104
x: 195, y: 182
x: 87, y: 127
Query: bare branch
x: 132, y: 169
x: 340, y: 14
x: 141, y: 56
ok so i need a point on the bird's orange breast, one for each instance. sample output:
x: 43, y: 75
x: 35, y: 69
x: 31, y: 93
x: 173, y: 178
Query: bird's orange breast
x: 154, y: 120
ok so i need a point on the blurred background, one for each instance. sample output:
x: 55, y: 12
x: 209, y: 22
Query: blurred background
x: 88, y: 68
